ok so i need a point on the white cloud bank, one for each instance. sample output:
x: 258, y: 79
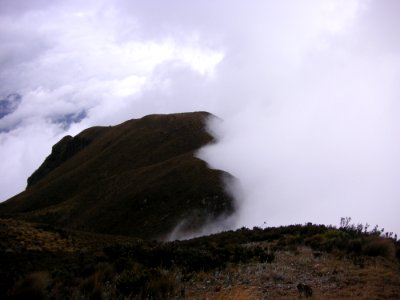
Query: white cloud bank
x: 308, y: 91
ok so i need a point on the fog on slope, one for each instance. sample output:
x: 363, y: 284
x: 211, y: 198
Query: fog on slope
x: 307, y: 90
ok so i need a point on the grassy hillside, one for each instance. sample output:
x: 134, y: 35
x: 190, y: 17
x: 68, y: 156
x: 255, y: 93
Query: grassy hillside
x: 139, y: 178
x: 86, y: 228
x: 43, y: 262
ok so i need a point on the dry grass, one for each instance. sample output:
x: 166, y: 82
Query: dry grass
x: 230, y: 293
x: 236, y: 293
x: 21, y: 236
x: 330, y: 277
x: 69, y: 264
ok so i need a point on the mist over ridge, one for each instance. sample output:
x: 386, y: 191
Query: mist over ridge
x: 307, y: 92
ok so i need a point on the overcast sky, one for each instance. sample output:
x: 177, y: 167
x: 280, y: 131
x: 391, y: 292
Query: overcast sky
x: 308, y: 91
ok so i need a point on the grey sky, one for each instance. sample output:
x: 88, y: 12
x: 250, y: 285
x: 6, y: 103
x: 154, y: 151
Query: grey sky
x: 308, y: 91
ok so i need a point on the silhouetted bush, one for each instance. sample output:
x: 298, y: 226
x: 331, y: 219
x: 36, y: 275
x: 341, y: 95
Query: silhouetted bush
x: 90, y: 288
x: 146, y: 283
x: 150, y: 270
x: 193, y: 259
x: 377, y: 246
x: 130, y: 282
x: 33, y: 286
x: 162, y: 286
x: 263, y: 255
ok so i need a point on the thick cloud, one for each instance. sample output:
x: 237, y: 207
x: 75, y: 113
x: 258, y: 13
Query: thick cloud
x: 77, y: 66
x: 9, y: 104
x: 308, y: 91
x: 318, y: 139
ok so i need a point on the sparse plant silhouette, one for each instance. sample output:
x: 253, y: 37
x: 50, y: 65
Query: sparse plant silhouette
x: 76, y: 264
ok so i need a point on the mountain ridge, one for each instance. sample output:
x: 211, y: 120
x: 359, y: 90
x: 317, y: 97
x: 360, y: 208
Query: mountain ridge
x: 85, y: 227
x: 138, y: 178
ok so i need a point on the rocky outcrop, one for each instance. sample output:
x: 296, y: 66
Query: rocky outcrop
x: 66, y: 148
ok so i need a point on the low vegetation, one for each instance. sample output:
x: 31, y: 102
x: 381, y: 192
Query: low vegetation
x: 43, y: 262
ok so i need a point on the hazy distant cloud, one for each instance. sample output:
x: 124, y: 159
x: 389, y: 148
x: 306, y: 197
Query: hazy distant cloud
x: 78, y: 65
x: 17, y: 7
x: 9, y: 104
x: 308, y: 91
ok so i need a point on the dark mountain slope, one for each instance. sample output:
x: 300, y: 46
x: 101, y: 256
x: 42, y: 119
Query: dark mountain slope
x: 139, y: 178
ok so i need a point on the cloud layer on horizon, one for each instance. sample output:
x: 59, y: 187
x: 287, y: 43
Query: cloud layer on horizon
x: 308, y: 91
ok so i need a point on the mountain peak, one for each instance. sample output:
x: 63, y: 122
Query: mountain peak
x: 138, y: 178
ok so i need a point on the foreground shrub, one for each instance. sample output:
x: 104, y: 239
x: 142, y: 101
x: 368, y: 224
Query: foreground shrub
x: 33, y: 286
x: 93, y: 287
x: 160, y: 287
x: 130, y: 282
x: 378, y: 246
x: 192, y: 260
x: 145, y: 283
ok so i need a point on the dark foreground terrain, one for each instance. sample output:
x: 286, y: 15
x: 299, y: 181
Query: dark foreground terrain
x: 44, y: 262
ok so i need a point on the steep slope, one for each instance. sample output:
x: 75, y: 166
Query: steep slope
x: 138, y: 178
